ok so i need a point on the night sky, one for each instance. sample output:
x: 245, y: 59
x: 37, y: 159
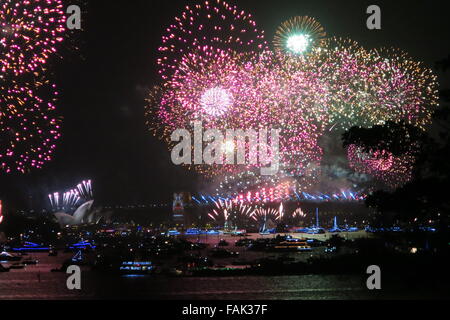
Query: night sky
x: 103, y: 86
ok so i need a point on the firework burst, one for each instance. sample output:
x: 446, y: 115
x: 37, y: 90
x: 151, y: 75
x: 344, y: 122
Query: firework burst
x: 339, y: 63
x: 392, y: 170
x: 230, y: 214
x: 368, y: 88
x: 214, y: 24
x: 29, y: 33
x: 217, y: 70
x: 403, y: 89
x: 299, y: 35
x: 232, y: 91
x: 250, y: 186
x: 209, y: 85
x: 262, y: 215
x: 298, y: 213
x: 29, y: 127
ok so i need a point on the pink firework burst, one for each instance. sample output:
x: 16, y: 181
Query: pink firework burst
x: 29, y: 127
x: 212, y: 23
x: 216, y: 101
x: 210, y: 85
x: 392, y: 170
x: 29, y: 32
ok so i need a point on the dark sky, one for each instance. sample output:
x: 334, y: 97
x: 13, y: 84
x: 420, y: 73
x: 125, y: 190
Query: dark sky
x: 102, y: 95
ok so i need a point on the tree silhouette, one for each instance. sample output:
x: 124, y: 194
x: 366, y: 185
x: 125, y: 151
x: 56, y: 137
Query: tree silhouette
x: 425, y: 197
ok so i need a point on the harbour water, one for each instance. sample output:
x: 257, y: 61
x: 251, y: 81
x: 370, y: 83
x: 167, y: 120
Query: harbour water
x: 37, y: 282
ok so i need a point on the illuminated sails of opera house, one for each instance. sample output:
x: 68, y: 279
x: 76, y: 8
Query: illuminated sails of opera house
x: 83, y: 215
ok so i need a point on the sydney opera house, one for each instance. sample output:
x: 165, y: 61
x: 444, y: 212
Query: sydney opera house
x: 84, y: 214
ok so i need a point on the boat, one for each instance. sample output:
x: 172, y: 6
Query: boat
x: 238, y: 232
x: 192, y: 232
x: 136, y: 267
x: 265, y: 231
x: 228, y: 267
x: 5, y: 256
x: 82, y: 245
x: 173, y: 232
x: 292, y: 245
x: 335, y: 228
x: 300, y: 230
x: 31, y: 247
x: 78, y: 259
x: 315, y: 230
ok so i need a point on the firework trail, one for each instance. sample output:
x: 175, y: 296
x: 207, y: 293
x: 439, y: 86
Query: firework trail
x: 230, y: 213
x: 69, y: 200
